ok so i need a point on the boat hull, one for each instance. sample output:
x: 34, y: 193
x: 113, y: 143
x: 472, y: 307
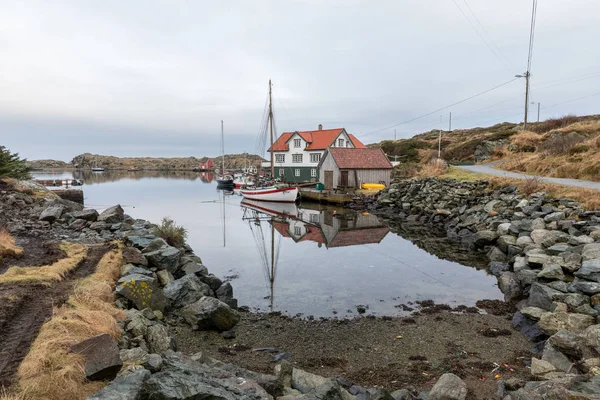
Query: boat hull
x: 281, y: 195
x: 274, y: 209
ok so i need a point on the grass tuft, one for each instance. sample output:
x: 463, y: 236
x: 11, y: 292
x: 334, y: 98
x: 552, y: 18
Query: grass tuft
x: 8, y: 246
x: 174, y: 234
x: 49, y: 371
x: 434, y: 168
x: 47, y: 274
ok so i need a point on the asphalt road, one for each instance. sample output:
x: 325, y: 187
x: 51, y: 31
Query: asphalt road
x: 490, y: 170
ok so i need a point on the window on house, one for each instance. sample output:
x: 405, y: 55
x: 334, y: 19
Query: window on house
x: 313, y: 172
x: 281, y: 172
x: 340, y: 142
x: 314, y: 217
x: 280, y: 158
x: 297, y: 172
x: 315, y: 157
x: 297, y: 231
x: 348, y: 144
x: 297, y: 158
x: 297, y: 143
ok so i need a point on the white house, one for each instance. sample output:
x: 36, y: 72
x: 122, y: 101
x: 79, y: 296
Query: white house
x: 297, y: 154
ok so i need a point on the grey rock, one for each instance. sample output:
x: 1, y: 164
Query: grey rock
x: 572, y: 261
x: 590, y: 270
x: 212, y: 281
x: 550, y: 323
x: 552, y: 271
x: 506, y: 240
x: 129, y: 269
x: 210, y: 313
x: 533, y: 312
x: 591, y: 251
x: 143, y: 291
x: 156, y: 244
x: 101, y: 357
x: 166, y: 257
x: 164, y: 277
x: 125, y: 387
x: 591, y: 387
x: 537, y: 260
x: 448, y: 387
x: 402, y: 394
x: 519, y: 264
x: 542, y: 296
x: 581, y: 239
x: 527, y: 277
x: 548, y: 238
x: 497, y: 268
x: 495, y: 254
x: 154, y: 362
x: 523, y: 241
x: 509, y: 285
x: 556, y: 358
x: 112, y: 215
x: 134, y: 356
x: 159, y: 339
x: 321, y: 387
x: 527, y: 327
x: 538, y: 223
x: 567, y: 342
x: 558, y: 249
x: 225, y: 291
x: 484, y: 238
x: 561, y: 286
x: 78, y: 224
x: 592, y: 336
x: 131, y: 255
x: 541, y: 367
x: 555, y: 216
x: 194, y: 268
x: 136, y: 325
x: 503, y: 228
x: 140, y: 242
x: 583, y: 286
x: 52, y: 213
x: 88, y: 214
x: 99, y: 226
x: 186, y: 290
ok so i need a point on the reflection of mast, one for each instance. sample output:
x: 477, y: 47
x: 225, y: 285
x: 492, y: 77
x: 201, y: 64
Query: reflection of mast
x: 223, y: 213
x: 272, y: 276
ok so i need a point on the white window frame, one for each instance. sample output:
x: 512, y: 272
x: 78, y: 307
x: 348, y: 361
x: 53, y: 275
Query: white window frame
x: 281, y: 172
x: 314, y: 217
x: 313, y: 172
x: 315, y: 157
x: 347, y: 143
x: 340, y: 142
x: 297, y: 158
x: 297, y: 172
x: 280, y: 158
x: 297, y: 143
x: 297, y: 230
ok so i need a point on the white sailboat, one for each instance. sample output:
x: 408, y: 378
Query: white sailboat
x: 274, y: 193
x: 224, y: 180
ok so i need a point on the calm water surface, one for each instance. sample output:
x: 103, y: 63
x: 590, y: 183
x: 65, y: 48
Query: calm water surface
x: 326, y: 260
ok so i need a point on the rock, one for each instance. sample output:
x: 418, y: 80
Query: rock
x: 448, y: 387
x: 210, y: 313
x: 186, y: 290
x: 581, y: 239
x: 595, y: 235
x: 509, y: 285
x: 550, y: 323
x: 572, y: 261
x: 166, y: 257
x: 134, y: 356
x: 519, y: 264
x: 194, y: 268
x: 101, y: 357
x: 587, y: 287
x: 112, y: 215
x: 135, y: 323
x: 506, y: 240
x: 558, y: 249
x: 567, y: 342
x: 592, y: 336
x: 125, y: 387
x: 321, y: 387
x: 131, y: 255
x: 78, y: 224
x: 590, y: 270
x: 143, y: 291
x: 225, y: 291
x: 502, y: 229
x: 52, y: 213
x: 212, y: 281
x: 552, y: 271
x: 497, y: 268
x: 159, y: 339
x: 548, y: 238
x: 527, y: 327
x: 542, y: 296
x: 140, y: 242
x: 541, y: 367
x: 495, y: 254
x: 533, y: 312
x: 537, y: 260
x: 556, y: 358
x: 555, y: 216
x: 156, y: 244
x: 402, y: 394
x: 591, y: 251
x: 591, y: 387
x: 154, y: 362
x: 164, y: 277
x: 484, y: 238
x: 129, y: 269
x: 523, y: 241
x: 89, y: 214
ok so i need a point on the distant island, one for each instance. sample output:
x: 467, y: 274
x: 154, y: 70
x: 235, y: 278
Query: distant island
x: 88, y: 161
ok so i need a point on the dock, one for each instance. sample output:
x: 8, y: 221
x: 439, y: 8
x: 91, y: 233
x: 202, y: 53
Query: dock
x: 326, y: 196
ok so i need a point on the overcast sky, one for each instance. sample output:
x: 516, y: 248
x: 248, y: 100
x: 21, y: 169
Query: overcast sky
x: 154, y: 78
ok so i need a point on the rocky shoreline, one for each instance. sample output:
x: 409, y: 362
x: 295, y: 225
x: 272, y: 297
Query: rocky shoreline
x: 545, y: 253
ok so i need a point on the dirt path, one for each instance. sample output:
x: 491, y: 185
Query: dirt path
x: 491, y: 170
x: 25, y: 308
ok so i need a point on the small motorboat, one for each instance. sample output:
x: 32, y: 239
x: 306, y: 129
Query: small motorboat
x: 97, y: 169
x: 225, y: 180
x: 271, y: 193
x: 243, y: 181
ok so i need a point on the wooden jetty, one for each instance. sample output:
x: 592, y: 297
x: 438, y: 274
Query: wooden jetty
x: 326, y: 196
x: 75, y: 195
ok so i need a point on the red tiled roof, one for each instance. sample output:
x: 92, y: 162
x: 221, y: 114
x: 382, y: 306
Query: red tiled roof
x: 317, y: 140
x: 359, y: 236
x: 359, y: 158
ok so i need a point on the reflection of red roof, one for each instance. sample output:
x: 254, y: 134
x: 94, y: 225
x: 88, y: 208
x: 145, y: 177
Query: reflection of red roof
x: 359, y: 236
x: 313, y: 233
x: 360, y: 158
x: 281, y: 227
x: 317, y: 140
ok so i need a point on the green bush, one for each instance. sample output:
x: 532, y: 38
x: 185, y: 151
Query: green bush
x: 175, y: 235
x: 12, y: 166
x: 407, y: 148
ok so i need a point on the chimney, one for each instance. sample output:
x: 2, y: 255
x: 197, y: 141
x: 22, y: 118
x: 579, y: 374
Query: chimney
x: 320, y: 127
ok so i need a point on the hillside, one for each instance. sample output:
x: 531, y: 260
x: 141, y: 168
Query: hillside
x: 567, y: 147
x: 88, y: 161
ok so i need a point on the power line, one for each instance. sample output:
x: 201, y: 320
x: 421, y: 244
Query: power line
x: 531, y: 35
x: 439, y: 109
x: 572, y: 100
x: 568, y: 82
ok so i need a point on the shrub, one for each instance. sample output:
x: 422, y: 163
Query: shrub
x: 407, y: 148
x: 12, y: 166
x: 553, y: 123
x: 175, y: 235
x: 405, y: 170
x: 560, y: 143
x: 434, y: 168
x: 580, y: 148
x: 531, y: 185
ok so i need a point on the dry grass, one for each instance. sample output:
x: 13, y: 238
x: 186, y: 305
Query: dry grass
x: 56, y: 272
x: 434, y: 168
x: 8, y: 246
x: 526, y: 140
x: 49, y: 371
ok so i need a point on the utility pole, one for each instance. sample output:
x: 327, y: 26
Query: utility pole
x: 529, y: 56
x: 527, y: 74
x: 450, y: 123
x: 440, y: 140
x: 394, y: 134
x: 538, y: 111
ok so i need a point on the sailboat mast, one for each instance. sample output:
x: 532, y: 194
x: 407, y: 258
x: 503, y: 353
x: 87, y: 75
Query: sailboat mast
x: 222, y: 149
x: 271, y: 128
x: 272, y: 280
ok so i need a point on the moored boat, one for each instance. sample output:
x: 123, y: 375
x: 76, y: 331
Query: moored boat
x: 97, y: 169
x: 271, y: 193
x: 224, y: 179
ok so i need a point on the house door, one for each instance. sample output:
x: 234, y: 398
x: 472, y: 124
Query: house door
x: 344, y: 179
x: 328, y: 180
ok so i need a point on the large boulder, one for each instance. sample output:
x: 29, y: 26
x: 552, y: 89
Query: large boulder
x: 583, y: 286
x: 143, y: 291
x: 125, y: 387
x: 112, y: 215
x: 590, y: 270
x: 320, y: 387
x: 591, y: 251
x: 567, y: 342
x: 550, y: 323
x: 101, y: 357
x: 509, y: 285
x: 89, y: 214
x: 484, y: 238
x: 548, y: 238
x: 52, y: 213
x: 140, y: 241
x: 186, y: 290
x: 552, y: 272
x: 541, y: 296
x: 210, y: 313
x: 167, y: 257
x: 448, y: 387
x: 131, y: 255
